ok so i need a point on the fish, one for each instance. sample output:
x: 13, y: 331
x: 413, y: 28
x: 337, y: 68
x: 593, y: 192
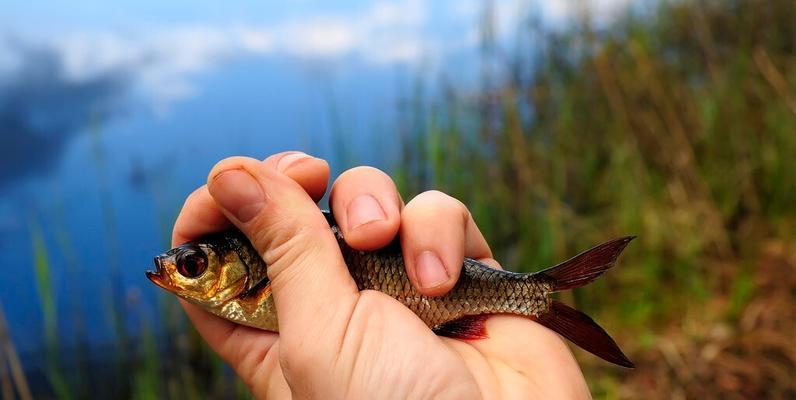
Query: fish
x: 225, y: 275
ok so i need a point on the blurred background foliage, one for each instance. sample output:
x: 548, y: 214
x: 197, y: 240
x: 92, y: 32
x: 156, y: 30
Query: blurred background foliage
x: 677, y: 124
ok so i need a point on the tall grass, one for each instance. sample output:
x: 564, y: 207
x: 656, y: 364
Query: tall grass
x: 115, y: 295
x: 163, y: 357
x: 12, y: 373
x: 678, y: 126
x: 54, y: 368
x: 81, y: 387
x: 166, y: 357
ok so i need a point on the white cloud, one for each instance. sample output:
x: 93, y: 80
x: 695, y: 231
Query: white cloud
x: 164, y: 59
x: 467, y: 8
x: 9, y: 58
x: 254, y: 40
x: 601, y: 11
x: 407, y: 13
x: 319, y: 37
x: 161, y: 61
x: 397, y: 50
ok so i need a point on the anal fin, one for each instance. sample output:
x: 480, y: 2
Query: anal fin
x: 468, y: 327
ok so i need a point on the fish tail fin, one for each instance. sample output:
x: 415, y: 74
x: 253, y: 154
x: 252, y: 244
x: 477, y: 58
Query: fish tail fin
x: 585, y: 267
x: 580, y: 329
x: 572, y: 324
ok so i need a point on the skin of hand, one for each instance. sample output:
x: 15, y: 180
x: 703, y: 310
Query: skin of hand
x: 336, y: 342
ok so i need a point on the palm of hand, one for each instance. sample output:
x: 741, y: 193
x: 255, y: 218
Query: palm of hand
x: 336, y: 342
x: 388, y: 352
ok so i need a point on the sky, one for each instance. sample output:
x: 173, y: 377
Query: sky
x: 167, y: 43
x: 167, y: 47
x: 112, y: 112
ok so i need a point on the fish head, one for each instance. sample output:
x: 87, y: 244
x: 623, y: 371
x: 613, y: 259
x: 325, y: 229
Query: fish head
x: 203, y: 273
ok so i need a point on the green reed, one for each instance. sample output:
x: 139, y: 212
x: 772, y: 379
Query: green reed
x: 678, y: 126
x: 41, y: 262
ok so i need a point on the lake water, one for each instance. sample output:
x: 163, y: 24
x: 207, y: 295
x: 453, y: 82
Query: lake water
x: 118, y: 182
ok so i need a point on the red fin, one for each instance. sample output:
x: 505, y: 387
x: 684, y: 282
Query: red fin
x: 580, y: 329
x: 587, y: 266
x: 469, y: 327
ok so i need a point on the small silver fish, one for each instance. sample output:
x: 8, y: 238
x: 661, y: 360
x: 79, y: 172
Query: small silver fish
x: 225, y: 275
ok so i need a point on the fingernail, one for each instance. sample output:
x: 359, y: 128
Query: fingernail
x: 430, y: 270
x: 289, y: 160
x: 364, y: 209
x: 238, y: 192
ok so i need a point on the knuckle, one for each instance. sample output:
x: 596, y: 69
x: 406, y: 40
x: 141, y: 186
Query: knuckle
x: 274, y: 158
x: 233, y: 161
x: 229, y: 163
x: 367, y: 170
x: 278, y: 240
x: 432, y: 194
x: 296, y: 358
x: 436, y: 201
x: 356, y: 174
x: 193, y: 197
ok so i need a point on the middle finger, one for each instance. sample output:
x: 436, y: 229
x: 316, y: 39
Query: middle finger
x: 366, y: 206
x: 437, y: 232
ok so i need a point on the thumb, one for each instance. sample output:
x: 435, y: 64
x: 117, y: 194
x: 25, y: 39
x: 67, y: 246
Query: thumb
x: 309, y: 279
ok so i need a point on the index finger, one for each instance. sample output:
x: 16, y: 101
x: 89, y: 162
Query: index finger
x: 239, y: 345
x: 367, y: 207
x: 200, y: 215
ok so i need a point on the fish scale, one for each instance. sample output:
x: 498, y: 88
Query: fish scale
x: 233, y: 284
x: 480, y: 289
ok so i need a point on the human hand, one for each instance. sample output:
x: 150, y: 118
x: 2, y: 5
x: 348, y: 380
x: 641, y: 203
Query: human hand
x: 337, y: 342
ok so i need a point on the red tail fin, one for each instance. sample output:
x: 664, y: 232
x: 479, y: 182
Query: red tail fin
x: 587, y: 266
x: 572, y: 324
x: 584, y: 332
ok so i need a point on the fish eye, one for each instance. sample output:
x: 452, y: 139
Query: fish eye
x: 191, y: 263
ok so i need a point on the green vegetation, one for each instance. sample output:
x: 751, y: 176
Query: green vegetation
x: 678, y: 126
x: 54, y: 370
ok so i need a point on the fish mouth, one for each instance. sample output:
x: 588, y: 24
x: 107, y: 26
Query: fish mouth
x: 155, y: 276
